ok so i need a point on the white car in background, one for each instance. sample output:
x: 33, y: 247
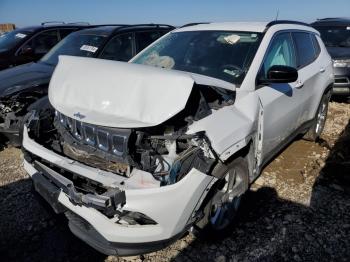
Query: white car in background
x: 137, y: 153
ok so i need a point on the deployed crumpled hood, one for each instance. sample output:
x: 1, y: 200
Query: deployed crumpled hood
x: 117, y: 94
x: 25, y: 76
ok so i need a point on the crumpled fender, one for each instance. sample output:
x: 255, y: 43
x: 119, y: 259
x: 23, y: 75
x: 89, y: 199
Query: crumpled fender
x: 231, y: 128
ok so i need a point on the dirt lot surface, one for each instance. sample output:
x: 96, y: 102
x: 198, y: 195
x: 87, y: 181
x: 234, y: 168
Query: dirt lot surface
x: 298, y: 210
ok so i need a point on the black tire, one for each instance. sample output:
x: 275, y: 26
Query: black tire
x: 315, y: 131
x: 222, y: 209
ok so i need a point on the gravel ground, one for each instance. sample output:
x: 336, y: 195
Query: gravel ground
x: 298, y: 210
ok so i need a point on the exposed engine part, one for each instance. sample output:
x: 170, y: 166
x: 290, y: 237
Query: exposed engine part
x: 14, y: 107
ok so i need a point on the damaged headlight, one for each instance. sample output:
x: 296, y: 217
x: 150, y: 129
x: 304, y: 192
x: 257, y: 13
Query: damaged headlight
x: 173, y: 156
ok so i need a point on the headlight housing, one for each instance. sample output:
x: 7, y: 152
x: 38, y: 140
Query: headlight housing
x: 341, y: 63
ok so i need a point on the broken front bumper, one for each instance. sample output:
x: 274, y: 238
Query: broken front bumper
x: 172, y: 207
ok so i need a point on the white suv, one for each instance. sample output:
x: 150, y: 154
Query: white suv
x: 137, y: 153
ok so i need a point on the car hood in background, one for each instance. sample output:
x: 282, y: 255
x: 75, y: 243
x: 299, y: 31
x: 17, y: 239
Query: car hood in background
x: 339, y: 52
x: 25, y: 76
x: 118, y: 94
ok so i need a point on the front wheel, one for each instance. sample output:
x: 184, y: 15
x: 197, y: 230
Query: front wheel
x: 317, y: 127
x: 223, y: 208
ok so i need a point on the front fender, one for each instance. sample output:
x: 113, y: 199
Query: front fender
x: 230, y: 129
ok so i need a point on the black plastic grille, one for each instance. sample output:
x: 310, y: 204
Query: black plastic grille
x: 111, y: 140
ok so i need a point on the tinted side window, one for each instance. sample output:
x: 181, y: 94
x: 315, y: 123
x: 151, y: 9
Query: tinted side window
x: 119, y: 48
x: 316, y: 45
x: 305, y: 48
x: 144, y: 39
x: 43, y: 42
x: 65, y: 32
x: 280, y: 52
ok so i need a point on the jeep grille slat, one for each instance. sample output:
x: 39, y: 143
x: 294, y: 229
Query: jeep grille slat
x: 109, y: 140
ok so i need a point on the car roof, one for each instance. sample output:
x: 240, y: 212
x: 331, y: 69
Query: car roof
x: 50, y: 26
x: 106, y: 30
x: 336, y: 21
x: 259, y: 27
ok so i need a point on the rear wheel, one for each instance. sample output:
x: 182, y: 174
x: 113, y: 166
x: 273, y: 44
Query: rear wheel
x: 317, y: 127
x: 223, y: 208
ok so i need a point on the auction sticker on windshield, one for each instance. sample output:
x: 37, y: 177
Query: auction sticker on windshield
x: 89, y: 48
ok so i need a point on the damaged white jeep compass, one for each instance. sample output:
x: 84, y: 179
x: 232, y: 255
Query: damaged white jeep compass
x: 137, y: 153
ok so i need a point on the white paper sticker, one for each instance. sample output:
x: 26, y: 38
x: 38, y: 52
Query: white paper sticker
x: 20, y: 35
x: 229, y: 39
x: 89, y: 48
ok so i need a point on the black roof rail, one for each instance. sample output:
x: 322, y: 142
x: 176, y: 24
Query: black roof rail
x: 191, y: 24
x: 333, y: 18
x: 155, y: 25
x: 78, y: 23
x: 110, y: 25
x: 52, y: 22
x: 283, y: 22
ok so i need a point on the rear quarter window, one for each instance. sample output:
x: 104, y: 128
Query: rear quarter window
x: 305, y: 48
x: 144, y: 39
x: 316, y: 45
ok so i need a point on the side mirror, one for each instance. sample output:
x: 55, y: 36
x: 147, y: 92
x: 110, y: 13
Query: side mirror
x: 282, y: 74
x: 27, y: 51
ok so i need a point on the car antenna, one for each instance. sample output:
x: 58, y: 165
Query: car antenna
x: 277, y: 14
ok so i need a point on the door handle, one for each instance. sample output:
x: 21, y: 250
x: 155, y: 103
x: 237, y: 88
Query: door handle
x: 322, y: 70
x: 299, y: 85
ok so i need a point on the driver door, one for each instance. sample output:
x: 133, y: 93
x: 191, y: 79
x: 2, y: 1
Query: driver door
x: 281, y: 108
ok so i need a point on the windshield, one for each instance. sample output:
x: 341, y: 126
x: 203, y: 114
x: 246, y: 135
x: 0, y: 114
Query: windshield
x: 335, y: 36
x: 11, y: 39
x: 75, y: 44
x: 219, y: 54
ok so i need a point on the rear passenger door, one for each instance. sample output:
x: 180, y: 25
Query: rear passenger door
x: 310, y: 72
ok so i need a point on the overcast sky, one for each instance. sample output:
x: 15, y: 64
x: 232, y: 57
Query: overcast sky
x: 176, y: 12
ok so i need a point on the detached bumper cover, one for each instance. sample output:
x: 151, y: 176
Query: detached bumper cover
x: 172, y: 207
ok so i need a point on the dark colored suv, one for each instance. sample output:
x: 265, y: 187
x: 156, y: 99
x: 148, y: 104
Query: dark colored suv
x: 22, y: 86
x: 335, y: 33
x: 29, y: 44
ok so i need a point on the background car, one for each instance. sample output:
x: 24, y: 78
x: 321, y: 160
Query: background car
x: 23, y: 85
x: 335, y: 33
x: 27, y: 44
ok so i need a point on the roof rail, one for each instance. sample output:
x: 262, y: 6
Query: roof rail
x: 283, y: 22
x: 331, y: 18
x: 191, y: 24
x: 110, y: 25
x: 52, y: 22
x: 136, y: 25
x: 78, y: 23
x: 155, y: 25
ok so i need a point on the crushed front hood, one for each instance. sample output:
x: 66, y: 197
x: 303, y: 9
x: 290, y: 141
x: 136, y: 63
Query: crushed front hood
x: 117, y: 94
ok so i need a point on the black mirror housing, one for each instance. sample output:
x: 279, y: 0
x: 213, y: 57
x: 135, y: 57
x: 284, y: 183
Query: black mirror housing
x: 282, y: 74
x: 27, y: 51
